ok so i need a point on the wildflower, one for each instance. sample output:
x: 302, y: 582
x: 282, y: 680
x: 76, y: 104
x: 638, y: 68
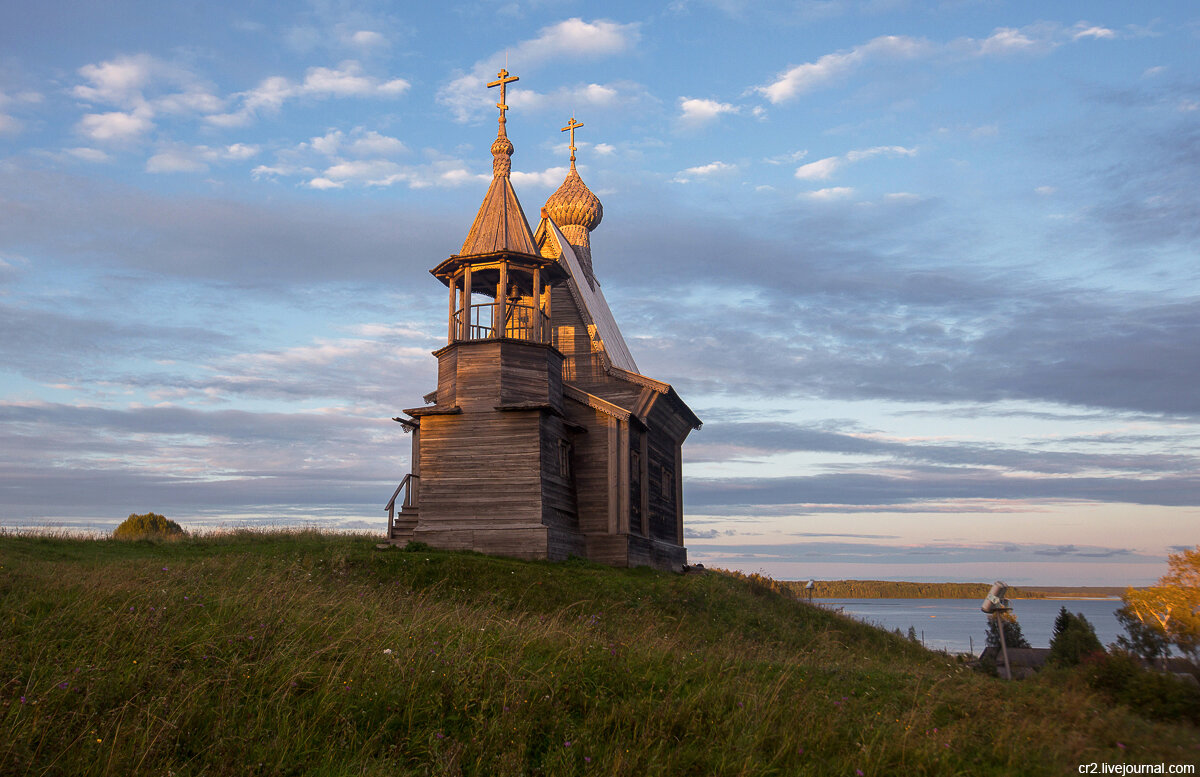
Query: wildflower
x: 387, y: 652
x: 567, y: 743
x: 859, y: 772
x: 63, y: 685
x: 1120, y: 745
x: 440, y: 735
x: 22, y: 699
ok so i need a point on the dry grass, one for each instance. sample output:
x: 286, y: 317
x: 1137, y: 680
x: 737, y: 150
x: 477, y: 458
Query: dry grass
x: 268, y: 653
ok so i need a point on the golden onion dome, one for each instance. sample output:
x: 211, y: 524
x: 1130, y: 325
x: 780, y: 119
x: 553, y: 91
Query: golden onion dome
x: 574, y: 204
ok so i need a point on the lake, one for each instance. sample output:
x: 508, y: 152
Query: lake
x: 951, y: 624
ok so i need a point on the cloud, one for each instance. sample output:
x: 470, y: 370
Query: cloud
x: 142, y: 85
x: 830, y: 68
x: 823, y: 169
x: 345, y: 81
x: 1084, y: 30
x: 830, y: 193
x: 696, y: 112
x: 114, y: 127
x: 88, y: 154
x: 574, y: 38
x: 117, y: 82
x: 131, y: 232
x: 1039, y: 38
x: 819, y: 170
x: 550, y: 178
x: 196, y: 159
x: 781, y: 159
x: 359, y: 143
x: 367, y: 39
x: 703, y: 171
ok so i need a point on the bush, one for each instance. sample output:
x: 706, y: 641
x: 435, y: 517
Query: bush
x: 148, y: 525
x: 1153, y: 694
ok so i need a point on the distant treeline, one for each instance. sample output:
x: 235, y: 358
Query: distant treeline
x: 890, y: 589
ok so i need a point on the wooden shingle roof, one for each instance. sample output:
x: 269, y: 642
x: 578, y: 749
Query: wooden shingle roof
x: 500, y: 224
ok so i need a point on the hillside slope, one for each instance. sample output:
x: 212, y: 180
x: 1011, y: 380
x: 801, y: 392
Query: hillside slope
x: 301, y: 653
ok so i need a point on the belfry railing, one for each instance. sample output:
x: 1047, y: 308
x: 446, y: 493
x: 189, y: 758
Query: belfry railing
x: 521, y: 322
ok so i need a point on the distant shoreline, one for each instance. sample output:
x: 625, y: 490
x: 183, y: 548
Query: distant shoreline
x: 893, y: 589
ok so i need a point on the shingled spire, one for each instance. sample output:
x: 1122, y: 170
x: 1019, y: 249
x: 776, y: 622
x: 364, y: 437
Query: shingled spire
x: 500, y: 224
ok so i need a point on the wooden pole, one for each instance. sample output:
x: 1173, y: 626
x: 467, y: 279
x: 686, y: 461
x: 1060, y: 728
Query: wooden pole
x: 466, y: 306
x: 534, y: 298
x: 502, y: 300
x: 451, y: 323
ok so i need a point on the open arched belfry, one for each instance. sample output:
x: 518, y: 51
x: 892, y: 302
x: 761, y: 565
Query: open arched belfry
x: 542, y: 439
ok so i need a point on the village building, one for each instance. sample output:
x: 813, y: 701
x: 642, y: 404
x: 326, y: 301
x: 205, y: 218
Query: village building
x: 542, y: 439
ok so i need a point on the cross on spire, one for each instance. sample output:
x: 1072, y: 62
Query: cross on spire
x: 572, y: 125
x: 503, y: 80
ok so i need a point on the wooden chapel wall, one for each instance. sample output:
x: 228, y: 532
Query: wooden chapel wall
x: 667, y: 429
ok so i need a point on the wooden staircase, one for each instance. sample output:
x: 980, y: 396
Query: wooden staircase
x: 401, y: 524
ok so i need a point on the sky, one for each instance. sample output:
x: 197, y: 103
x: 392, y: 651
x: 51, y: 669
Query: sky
x: 927, y: 271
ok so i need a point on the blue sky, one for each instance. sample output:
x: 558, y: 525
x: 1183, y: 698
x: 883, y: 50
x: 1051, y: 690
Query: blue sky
x: 928, y: 271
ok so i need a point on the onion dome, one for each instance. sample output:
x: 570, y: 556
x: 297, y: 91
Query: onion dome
x: 575, y: 205
x: 576, y: 211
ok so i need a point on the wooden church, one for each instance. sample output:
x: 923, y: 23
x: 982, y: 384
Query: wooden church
x: 543, y: 439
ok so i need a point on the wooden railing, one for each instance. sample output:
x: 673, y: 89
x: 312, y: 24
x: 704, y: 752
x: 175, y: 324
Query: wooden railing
x: 411, y: 486
x: 522, y: 322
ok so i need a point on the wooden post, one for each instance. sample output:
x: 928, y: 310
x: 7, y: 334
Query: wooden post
x: 536, y: 334
x: 466, y: 306
x: 549, y: 320
x: 502, y: 300
x: 678, y: 468
x: 452, y: 323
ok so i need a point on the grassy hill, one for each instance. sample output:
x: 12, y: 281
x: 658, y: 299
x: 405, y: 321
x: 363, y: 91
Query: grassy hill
x: 307, y: 654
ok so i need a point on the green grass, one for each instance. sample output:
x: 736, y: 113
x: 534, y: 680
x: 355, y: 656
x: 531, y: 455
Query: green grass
x: 265, y: 653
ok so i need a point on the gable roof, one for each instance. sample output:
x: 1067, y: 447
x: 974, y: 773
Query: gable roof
x: 589, y: 298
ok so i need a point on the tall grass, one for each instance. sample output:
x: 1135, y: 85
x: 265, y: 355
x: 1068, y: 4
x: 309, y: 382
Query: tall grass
x: 289, y: 653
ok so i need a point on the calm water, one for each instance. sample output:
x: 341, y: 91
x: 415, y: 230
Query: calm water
x: 951, y: 624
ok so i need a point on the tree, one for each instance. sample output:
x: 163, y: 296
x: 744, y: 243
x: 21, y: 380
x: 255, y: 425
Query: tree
x: 1172, y: 608
x: 1140, y: 639
x: 137, y: 527
x: 1012, y: 631
x: 1074, y: 638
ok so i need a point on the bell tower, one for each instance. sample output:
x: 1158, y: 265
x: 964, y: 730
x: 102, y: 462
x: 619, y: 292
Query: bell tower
x: 493, y: 450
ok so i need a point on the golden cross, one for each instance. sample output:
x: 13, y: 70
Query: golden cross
x: 503, y: 81
x: 572, y: 125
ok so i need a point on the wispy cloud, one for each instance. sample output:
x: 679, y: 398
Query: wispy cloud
x: 465, y: 95
x: 703, y: 171
x: 346, y: 80
x: 836, y: 67
x: 696, y: 112
x: 823, y: 169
